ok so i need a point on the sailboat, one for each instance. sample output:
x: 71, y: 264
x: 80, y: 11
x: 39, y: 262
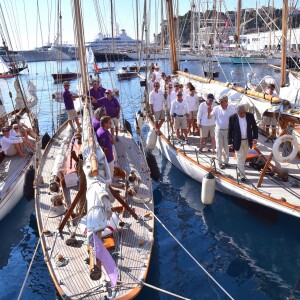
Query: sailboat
x: 4, y: 69
x: 96, y: 231
x: 276, y: 182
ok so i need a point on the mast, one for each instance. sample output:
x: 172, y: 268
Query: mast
x: 283, y: 44
x: 112, y: 25
x: 162, y: 27
x: 174, y: 62
x: 238, y: 21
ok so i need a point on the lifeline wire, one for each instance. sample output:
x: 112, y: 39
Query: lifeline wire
x: 190, y: 255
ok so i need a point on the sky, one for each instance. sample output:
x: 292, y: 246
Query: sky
x: 32, y: 23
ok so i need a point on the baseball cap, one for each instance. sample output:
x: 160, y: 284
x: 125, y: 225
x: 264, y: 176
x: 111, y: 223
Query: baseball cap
x: 108, y: 92
x: 5, y: 129
x: 210, y: 96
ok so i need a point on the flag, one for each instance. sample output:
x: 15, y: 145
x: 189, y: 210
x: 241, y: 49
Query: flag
x: 226, y: 23
x: 96, y: 69
x: 107, y: 261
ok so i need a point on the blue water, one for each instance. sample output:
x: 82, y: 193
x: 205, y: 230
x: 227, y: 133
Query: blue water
x: 250, y: 250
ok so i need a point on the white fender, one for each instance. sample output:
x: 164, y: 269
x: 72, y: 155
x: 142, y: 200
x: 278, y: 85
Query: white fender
x: 285, y: 138
x: 151, y: 139
x: 113, y: 223
x: 208, y: 189
x: 139, y: 120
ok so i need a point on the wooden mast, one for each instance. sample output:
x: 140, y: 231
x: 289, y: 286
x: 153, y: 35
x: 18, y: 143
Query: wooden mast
x: 79, y: 36
x: 238, y: 21
x: 283, y: 44
x: 174, y: 62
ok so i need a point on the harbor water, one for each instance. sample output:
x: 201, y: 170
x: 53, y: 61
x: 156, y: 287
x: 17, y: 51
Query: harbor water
x: 252, y: 251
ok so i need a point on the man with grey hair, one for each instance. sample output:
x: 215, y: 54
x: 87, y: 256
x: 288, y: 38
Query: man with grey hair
x: 222, y: 113
x: 242, y: 134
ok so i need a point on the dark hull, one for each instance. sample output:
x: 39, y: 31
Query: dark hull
x: 103, y: 57
x: 58, y: 77
x: 127, y: 75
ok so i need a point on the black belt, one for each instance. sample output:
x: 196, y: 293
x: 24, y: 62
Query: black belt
x: 245, y: 139
x: 180, y: 116
x: 223, y: 129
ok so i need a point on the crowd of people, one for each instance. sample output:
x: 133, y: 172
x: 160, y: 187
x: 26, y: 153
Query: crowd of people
x: 227, y: 127
x: 106, y: 119
x: 15, y: 138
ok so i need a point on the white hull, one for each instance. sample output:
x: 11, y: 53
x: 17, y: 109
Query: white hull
x: 14, y: 194
x: 195, y: 171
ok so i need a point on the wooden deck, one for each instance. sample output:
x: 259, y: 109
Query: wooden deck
x: 286, y: 192
x: 133, y: 238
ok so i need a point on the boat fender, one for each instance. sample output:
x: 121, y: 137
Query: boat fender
x: 45, y: 140
x: 139, y: 119
x: 151, y: 139
x: 113, y: 222
x: 208, y: 189
x: 152, y: 164
x: 28, y: 190
x: 278, y: 155
x: 127, y: 126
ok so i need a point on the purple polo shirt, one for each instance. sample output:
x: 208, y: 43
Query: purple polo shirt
x: 69, y: 103
x: 103, y: 137
x: 112, y: 106
x: 96, y: 124
x: 98, y: 94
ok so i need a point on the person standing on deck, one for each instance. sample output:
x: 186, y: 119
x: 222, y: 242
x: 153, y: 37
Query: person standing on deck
x: 222, y: 113
x: 113, y: 109
x: 242, y: 134
x: 170, y: 97
x: 270, y: 121
x: 157, y: 73
x: 151, y: 83
x: 206, y: 126
x: 179, y: 114
x: 69, y: 105
x: 96, y: 93
x: 156, y: 101
x: 105, y: 141
x: 192, y: 101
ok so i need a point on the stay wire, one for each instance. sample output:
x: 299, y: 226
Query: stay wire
x: 189, y: 254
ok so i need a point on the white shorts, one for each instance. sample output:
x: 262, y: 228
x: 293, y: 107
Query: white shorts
x: 11, y: 151
x: 180, y: 122
x: 72, y: 114
x: 115, y: 122
x: 159, y: 115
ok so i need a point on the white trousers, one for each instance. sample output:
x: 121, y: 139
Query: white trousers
x: 222, y: 145
x: 241, y: 156
x: 111, y: 168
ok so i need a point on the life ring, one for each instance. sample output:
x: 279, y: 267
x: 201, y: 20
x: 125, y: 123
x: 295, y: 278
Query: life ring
x: 285, y: 138
x: 113, y: 223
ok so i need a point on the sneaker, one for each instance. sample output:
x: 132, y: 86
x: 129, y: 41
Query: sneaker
x: 243, y: 179
x: 222, y: 167
x: 227, y: 165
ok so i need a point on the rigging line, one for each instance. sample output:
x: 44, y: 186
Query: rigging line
x: 17, y: 26
x: 33, y: 257
x: 189, y: 254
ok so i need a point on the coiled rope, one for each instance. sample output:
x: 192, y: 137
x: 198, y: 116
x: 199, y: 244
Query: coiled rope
x: 190, y: 255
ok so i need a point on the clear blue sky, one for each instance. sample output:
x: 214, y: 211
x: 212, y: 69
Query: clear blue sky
x: 28, y: 30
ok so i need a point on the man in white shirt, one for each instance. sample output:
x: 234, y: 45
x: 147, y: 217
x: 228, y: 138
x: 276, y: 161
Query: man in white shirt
x: 192, y: 101
x: 12, y: 145
x: 151, y: 83
x: 207, y: 126
x: 242, y: 134
x: 222, y: 113
x: 179, y: 115
x: 170, y: 97
x: 157, y: 73
x: 156, y: 101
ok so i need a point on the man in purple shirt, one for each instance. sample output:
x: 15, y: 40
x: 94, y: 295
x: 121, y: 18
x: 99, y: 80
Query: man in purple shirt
x: 69, y: 105
x: 96, y: 93
x: 104, y: 139
x: 98, y: 114
x: 112, y: 107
